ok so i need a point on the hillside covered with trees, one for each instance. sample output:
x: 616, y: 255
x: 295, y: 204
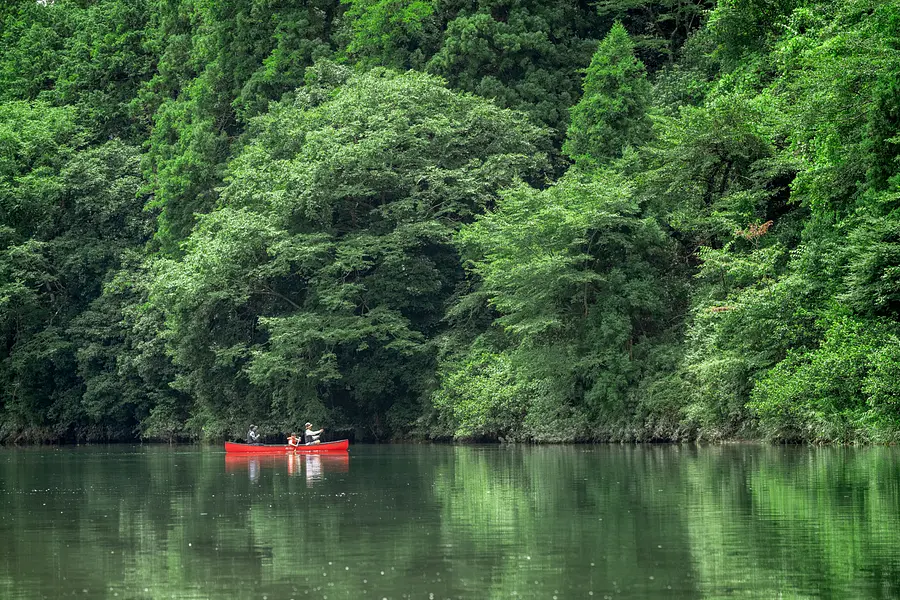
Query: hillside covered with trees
x: 515, y: 220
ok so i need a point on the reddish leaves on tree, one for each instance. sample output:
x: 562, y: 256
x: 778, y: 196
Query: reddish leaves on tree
x: 754, y: 231
x: 718, y: 309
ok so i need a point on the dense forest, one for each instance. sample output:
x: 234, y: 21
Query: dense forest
x: 516, y: 220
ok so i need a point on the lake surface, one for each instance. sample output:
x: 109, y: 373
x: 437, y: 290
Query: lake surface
x: 406, y: 521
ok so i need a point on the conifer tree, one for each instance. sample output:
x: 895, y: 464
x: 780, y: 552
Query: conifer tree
x: 612, y: 114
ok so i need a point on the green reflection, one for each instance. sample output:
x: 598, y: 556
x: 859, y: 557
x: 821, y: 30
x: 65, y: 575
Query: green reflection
x: 819, y: 522
x: 469, y: 522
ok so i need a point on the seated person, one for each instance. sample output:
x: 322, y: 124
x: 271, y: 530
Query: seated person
x: 252, y: 436
x: 310, y: 436
x: 293, y: 440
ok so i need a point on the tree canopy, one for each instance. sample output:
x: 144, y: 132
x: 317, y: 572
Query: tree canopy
x: 450, y: 219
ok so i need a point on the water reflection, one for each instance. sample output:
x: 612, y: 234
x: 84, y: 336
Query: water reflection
x: 313, y: 466
x: 313, y: 469
x: 455, y: 522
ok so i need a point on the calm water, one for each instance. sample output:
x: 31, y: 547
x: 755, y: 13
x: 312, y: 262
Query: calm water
x: 452, y: 522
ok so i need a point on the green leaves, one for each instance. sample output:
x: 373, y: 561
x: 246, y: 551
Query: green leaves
x: 218, y: 67
x: 611, y: 114
x: 340, y: 242
x: 69, y: 215
x: 579, y: 279
x: 524, y: 56
x: 660, y: 28
x: 841, y: 391
x: 330, y: 261
x: 391, y: 33
x: 485, y: 397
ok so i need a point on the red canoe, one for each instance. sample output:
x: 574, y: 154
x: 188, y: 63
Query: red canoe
x: 324, y: 447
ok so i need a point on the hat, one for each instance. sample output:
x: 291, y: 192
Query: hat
x: 308, y: 425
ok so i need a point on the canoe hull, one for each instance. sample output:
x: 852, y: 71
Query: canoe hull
x: 323, y: 448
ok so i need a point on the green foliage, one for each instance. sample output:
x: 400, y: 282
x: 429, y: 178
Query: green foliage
x: 68, y: 213
x: 524, y: 55
x: 612, y: 113
x: 580, y: 281
x: 873, y: 280
x: 661, y: 28
x: 219, y: 65
x: 484, y: 396
x: 123, y: 363
x: 387, y: 253
x: 776, y: 331
x: 392, y: 33
x: 314, y: 288
x: 844, y: 390
x: 88, y: 56
x: 747, y: 26
x: 36, y: 140
x: 106, y: 61
x: 32, y: 38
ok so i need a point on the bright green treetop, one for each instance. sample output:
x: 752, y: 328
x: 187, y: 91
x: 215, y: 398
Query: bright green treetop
x: 612, y: 114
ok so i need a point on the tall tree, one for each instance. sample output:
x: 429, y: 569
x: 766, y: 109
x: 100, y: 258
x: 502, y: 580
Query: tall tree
x: 612, y: 113
x: 220, y: 64
x: 582, y: 284
x: 314, y: 289
x: 67, y: 214
x: 91, y: 56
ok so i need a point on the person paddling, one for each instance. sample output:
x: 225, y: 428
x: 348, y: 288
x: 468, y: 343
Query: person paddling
x: 293, y: 440
x: 310, y: 436
x: 252, y: 436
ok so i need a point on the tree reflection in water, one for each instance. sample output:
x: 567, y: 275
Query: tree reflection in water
x: 458, y: 521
